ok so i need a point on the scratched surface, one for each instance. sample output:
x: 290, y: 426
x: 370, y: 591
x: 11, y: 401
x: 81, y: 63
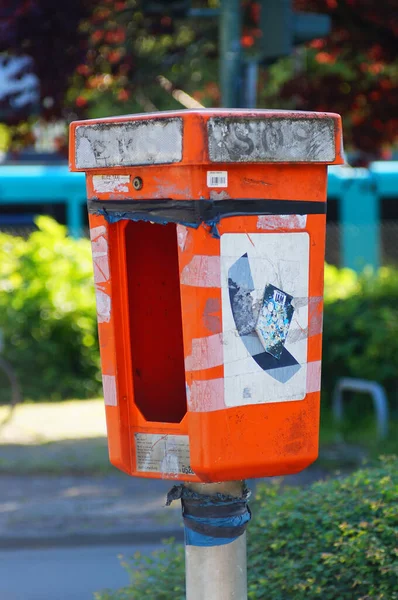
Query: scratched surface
x: 250, y: 263
x: 272, y: 139
x: 152, y: 142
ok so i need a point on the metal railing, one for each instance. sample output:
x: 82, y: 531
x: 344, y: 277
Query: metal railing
x: 361, y: 239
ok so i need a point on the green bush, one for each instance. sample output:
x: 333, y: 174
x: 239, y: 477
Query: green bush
x: 335, y: 540
x: 360, y: 332
x: 47, y: 313
x: 48, y: 319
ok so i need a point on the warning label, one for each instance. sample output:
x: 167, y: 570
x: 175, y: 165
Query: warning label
x: 166, y: 454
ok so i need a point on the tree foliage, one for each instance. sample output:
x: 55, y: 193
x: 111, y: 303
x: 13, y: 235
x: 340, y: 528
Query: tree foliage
x: 105, y: 57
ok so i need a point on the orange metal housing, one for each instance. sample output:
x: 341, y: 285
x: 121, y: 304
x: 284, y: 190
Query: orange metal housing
x: 208, y: 235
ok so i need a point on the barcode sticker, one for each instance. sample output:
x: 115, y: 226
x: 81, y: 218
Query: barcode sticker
x: 217, y: 179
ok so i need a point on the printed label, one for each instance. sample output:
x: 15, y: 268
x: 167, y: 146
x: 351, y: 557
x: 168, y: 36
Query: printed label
x: 217, y: 179
x: 111, y: 183
x: 166, y: 454
x: 265, y: 316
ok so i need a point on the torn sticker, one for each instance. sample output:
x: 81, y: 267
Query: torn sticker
x: 202, y: 271
x: 103, y: 306
x: 207, y: 352
x: 274, y: 320
x: 109, y: 387
x: 274, y: 222
x: 182, y: 233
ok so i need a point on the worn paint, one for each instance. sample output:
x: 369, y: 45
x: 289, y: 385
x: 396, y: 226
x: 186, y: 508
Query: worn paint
x: 278, y: 222
x: 110, y: 392
x: 275, y: 139
x: 202, y: 271
x: 207, y: 352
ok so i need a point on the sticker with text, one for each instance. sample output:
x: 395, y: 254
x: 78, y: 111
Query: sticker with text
x: 217, y: 179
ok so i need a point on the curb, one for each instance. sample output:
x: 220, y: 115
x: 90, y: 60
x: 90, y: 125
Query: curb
x: 100, y: 539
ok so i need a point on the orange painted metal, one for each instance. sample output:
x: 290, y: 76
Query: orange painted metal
x: 160, y: 304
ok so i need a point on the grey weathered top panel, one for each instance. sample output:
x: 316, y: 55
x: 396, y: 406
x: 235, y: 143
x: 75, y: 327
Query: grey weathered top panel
x: 276, y: 139
x: 124, y: 144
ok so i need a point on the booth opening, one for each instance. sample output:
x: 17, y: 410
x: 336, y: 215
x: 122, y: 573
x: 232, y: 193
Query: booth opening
x: 155, y: 321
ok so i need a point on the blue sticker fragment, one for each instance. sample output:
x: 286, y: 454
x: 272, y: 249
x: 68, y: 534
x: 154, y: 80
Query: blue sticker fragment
x: 274, y: 320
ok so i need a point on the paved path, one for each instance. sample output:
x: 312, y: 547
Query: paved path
x: 63, y: 573
x: 39, y: 511
x: 71, y: 510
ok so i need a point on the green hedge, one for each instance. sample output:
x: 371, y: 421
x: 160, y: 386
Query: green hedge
x: 47, y: 313
x: 335, y: 540
x: 48, y: 320
x: 360, y: 332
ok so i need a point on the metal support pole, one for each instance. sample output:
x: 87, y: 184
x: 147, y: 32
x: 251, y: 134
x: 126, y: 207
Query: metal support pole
x: 250, y: 84
x: 217, y: 572
x: 230, y: 52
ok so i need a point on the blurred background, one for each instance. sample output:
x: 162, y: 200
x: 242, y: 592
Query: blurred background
x: 83, y: 59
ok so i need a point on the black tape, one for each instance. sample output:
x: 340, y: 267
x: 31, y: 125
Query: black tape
x: 211, y: 520
x: 195, y: 508
x: 195, y: 212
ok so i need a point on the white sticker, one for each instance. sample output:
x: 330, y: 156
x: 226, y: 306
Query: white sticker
x: 260, y: 270
x: 271, y: 139
x: 111, y: 183
x: 128, y: 143
x: 166, y: 454
x: 217, y: 179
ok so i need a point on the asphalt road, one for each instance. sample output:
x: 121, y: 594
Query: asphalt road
x: 63, y: 573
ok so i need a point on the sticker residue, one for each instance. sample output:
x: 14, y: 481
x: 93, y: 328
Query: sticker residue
x: 99, y: 246
x: 166, y: 454
x: 270, y: 222
x: 109, y: 387
x: 202, y: 271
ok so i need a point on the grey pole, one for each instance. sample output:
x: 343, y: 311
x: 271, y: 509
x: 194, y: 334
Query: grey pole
x: 230, y: 52
x: 250, y: 84
x: 218, y: 572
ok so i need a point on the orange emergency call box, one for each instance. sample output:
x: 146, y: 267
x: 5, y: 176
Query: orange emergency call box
x: 208, y: 240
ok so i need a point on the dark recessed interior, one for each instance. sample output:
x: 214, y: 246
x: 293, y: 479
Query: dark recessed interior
x: 155, y: 321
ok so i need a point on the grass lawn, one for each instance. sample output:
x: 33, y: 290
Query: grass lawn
x: 52, y: 422
x: 54, y: 438
x: 71, y: 437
